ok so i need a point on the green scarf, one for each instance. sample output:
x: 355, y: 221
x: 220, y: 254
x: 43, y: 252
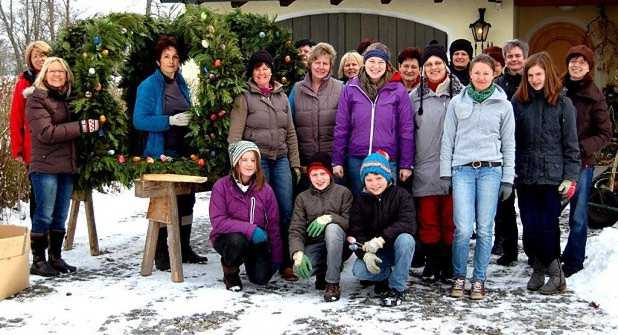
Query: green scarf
x: 482, y: 95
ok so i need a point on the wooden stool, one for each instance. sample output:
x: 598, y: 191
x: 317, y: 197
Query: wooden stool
x: 162, y: 190
x: 86, y: 198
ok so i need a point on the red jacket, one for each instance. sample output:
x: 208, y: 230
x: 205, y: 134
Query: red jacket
x: 20, y: 131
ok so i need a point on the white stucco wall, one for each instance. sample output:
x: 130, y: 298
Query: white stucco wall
x: 452, y: 17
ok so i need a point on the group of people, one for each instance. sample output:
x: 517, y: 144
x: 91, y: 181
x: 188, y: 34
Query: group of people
x: 382, y: 162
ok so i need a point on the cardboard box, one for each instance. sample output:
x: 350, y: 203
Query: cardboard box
x: 14, y: 259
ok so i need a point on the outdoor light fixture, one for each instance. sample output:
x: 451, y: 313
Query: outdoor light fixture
x: 480, y: 29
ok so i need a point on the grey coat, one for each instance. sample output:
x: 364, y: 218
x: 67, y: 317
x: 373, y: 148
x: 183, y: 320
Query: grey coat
x: 479, y: 132
x: 428, y: 136
x: 314, y: 116
x: 266, y: 121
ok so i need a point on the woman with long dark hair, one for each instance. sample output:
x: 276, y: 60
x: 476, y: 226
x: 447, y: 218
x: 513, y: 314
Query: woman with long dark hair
x: 546, y: 165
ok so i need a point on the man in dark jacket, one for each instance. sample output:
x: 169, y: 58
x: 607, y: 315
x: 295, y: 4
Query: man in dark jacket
x: 515, y: 53
x: 594, y: 129
x: 383, y: 222
x: 460, y: 53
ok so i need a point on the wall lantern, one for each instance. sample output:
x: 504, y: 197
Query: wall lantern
x: 480, y: 29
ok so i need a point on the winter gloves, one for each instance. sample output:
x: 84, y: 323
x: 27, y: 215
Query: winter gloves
x: 180, y: 119
x: 372, y: 262
x: 506, y: 190
x: 374, y: 245
x: 302, y: 265
x: 258, y: 236
x: 567, y: 189
x: 88, y: 126
x: 317, y: 226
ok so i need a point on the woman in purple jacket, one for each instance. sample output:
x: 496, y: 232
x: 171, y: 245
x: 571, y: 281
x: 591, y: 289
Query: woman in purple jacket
x: 374, y: 113
x: 245, y: 220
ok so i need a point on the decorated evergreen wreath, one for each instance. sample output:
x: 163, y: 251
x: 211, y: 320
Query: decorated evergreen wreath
x: 117, y: 52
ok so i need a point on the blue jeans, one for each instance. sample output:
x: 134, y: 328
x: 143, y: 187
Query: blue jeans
x: 353, y: 166
x: 475, y: 197
x: 575, y: 250
x: 279, y: 177
x: 52, y: 193
x: 395, y: 266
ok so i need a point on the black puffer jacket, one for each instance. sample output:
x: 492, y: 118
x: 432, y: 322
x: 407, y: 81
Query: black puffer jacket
x: 509, y: 83
x: 388, y: 215
x: 546, y: 147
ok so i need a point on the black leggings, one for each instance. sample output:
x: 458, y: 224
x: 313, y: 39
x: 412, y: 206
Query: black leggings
x: 235, y: 249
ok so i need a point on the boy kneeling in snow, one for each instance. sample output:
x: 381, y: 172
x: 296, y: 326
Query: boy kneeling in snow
x: 318, y: 228
x: 383, y: 221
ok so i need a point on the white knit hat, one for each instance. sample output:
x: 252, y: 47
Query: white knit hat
x: 237, y: 149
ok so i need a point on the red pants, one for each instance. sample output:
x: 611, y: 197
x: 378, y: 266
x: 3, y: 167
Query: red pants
x: 435, y: 217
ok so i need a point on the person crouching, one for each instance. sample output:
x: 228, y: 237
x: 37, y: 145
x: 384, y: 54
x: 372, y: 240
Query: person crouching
x: 319, y: 224
x: 245, y: 220
x: 383, y: 221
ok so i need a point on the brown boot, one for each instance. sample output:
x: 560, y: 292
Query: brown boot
x: 231, y: 278
x: 288, y: 274
x: 40, y: 265
x: 56, y: 238
x: 332, y: 292
x: 556, y: 282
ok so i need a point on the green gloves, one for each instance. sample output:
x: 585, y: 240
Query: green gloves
x: 302, y: 265
x: 372, y: 262
x: 316, y: 227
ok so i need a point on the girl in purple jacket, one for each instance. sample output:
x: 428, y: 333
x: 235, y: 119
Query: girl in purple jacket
x: 245, y: 220
x: 374, y: 113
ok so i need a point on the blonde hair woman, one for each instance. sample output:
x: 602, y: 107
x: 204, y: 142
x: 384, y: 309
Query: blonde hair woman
x: 349, y: 65
x: 54, y: 161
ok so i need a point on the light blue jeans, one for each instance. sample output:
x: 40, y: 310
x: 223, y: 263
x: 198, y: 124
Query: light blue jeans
x: 395, y: 266
x: 475, y: 197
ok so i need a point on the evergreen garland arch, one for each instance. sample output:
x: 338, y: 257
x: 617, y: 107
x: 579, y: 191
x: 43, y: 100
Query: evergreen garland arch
x: 116, y: 52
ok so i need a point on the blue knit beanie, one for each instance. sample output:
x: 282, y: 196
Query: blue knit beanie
x: 376, y: 163
x: 376, y: 53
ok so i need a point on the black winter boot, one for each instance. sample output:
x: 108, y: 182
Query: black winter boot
x: 418, y: 260
x: 432, y: 266
x: 231, y: 278
x: 162, y: 256
x: 56, y: 237
x: 188, y: 255
x: 446, y: 263
x: 40, y: 266
x: 320, y: 281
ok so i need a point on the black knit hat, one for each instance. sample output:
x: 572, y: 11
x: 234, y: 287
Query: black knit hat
x: 460, y: 44
x: 259, y: 57
x: 433, y: 50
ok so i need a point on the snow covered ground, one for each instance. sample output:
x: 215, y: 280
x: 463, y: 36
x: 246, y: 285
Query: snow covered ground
x: 109, y: 296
